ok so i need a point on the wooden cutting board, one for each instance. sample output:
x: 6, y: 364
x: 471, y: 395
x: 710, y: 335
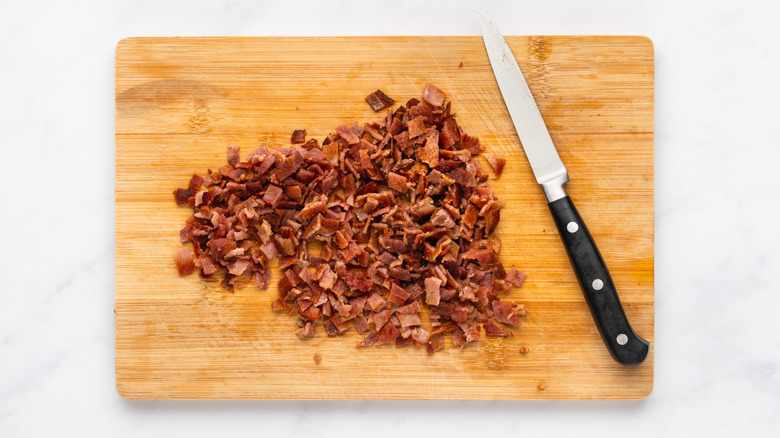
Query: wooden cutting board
x: 180, y: 101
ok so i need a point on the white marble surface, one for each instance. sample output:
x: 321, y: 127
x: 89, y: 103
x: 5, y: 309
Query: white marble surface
x: 717, y: 150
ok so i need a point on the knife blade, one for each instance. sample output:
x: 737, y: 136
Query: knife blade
x: 625, y: 346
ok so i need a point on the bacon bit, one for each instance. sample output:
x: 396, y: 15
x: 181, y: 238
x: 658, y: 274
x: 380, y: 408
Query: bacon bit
x: 398, y: 295
x: 430, y: 152
x: 182, y: 196
x: 503, y: 313
x: 397, y: 182
x: 491, y: 220
x: 262, y: 279
x: 232, y: 155
x: 375, y: 301
x: 491, y: 329
x: 450, y: 133
x: 273, y: 195
x: 408, y: 320
x: 433, y: 95
x: 432, y: 296
x: 185, y: 261
x: 348, y: 134
x: 524, y: 350
x: 298, y: 136
x: 497, y: 163
x: 379, y: 100
x: 306, y: 331
x: 317, y: 358
x: 514, y: 277
x: 411, y: 228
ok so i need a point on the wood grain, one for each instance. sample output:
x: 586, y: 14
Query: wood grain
x: 180, y: 101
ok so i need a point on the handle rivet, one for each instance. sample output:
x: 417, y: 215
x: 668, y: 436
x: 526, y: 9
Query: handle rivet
x: 572, y: 227
x: 622, y: 339
x: 597, y: 284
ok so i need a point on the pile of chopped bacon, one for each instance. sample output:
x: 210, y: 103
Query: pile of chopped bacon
x: 370, y: 227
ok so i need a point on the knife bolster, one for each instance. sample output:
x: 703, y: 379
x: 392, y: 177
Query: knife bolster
x: 553, y: 187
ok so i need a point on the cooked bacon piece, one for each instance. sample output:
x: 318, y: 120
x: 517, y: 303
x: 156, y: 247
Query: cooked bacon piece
x: 233, y: 157
x: 273, y: 195
x: 430, y: 152
x: 491, y: 220
x: 196, y: 181
x: 389, y: 333
x: 450, y: 133
x: 515, y: 277
x: 306, y: 331
x: 443, y: 219
x: 409, y: 319
x: 314, y: 208
x: 298, y: 136
x: 416, y: 127
x: 484, y: 255
x: 397, y: 182
x: 503, y: 312
x: 348, y: 134
x: 423, y: 207
x: 371, y: 339
x: 375, y: 301
x: 361, y: 325
x: 492, y: 329
x: 432, y: 295
x: 497, y: 163
x: 262, y: 278
x: 183, y: 195
x: 207, y: 266
x: 238, y: 267
x: 380, y: 318
x: 433, y: 95
x: 379, y: 100
x: 398, y: 295
x: 413, y: 308
x: 185, y: 261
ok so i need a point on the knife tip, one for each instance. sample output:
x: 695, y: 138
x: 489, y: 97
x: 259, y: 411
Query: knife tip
x: 485, y: 23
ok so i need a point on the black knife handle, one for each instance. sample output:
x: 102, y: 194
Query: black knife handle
x: 625, y: 346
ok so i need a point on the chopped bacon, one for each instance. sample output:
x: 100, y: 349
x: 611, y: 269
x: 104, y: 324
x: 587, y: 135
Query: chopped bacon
x: 233, y: 157
x: 377, y: 226
x: 409, y: 319
x: 497, y: 163
x: 183, y: 195
x: 389, y: 333
x: 397, y: 182
x: 492, y: 329
x: 207, y: 266
x: 379, y: 100
x: 375, y: 301
x: 348, y: 134
x: 398, y: 295
x: 443, y: 219
x: 433, y: 95
x: 504, y: 313
x: 430, y: 152
x: 298, y: 136
x: 306, y: 331
x: 262, y: 278
x: 273, y: 194
x: 450, y: 134
x: 432, y: 295
x: 185, y: 261
x: 515, y: 277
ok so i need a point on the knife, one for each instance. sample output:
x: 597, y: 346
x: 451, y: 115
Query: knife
x: 626, y: 347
